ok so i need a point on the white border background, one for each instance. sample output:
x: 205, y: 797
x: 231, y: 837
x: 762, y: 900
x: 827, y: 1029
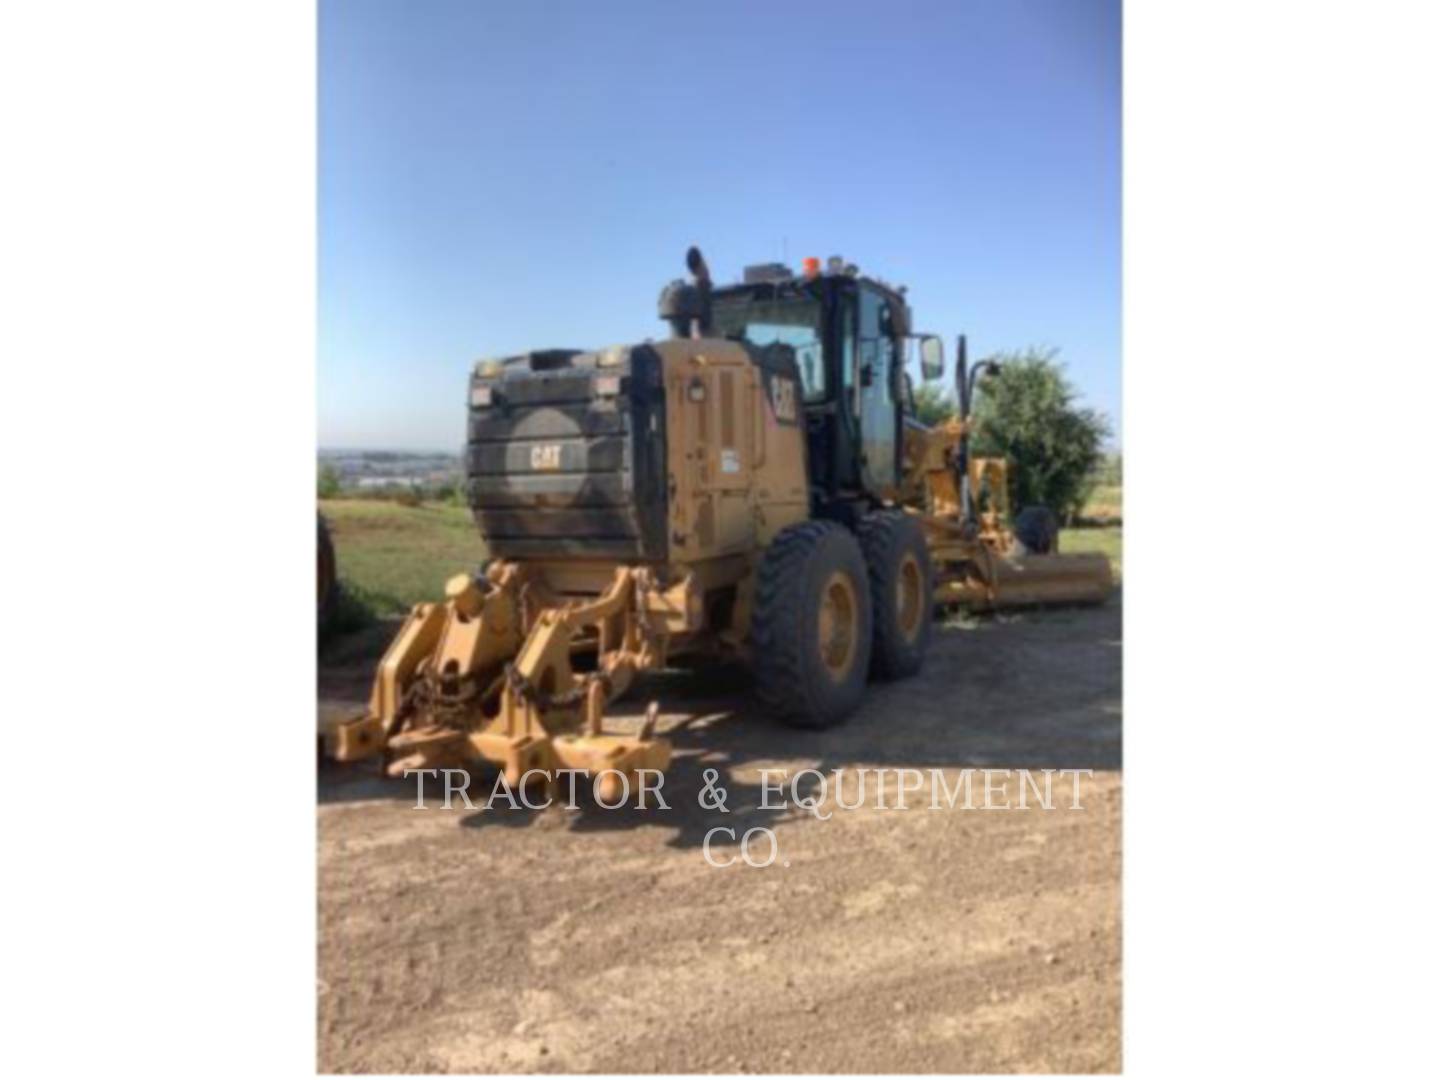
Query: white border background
x: 1280, y: 331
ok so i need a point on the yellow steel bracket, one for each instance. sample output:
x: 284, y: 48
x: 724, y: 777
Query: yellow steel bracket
x: 550, y: 720
x: 487, y: 675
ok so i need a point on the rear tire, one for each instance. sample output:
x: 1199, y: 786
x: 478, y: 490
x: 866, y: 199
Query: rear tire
x: 811, y: 628
x: 902, y: 593
x: 1037, y: 528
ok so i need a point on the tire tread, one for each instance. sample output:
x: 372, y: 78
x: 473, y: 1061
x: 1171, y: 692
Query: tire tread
x: 882, y: 537
x: 776, y: 632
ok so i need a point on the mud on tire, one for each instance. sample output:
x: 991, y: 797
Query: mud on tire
x: 902, y: 594
x: 811, y: 628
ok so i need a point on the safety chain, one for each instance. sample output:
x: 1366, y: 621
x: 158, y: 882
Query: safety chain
x: 448, y: 705
x: 414, y: 696
x: 526, y: 690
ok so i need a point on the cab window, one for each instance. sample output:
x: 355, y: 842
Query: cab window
x: 787, y: 322
x: 877, y: 347
x: 876, y: 367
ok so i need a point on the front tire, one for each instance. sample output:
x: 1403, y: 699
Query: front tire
x: 811, y: 629
x: 901, y: 591
x: 1038, y: 530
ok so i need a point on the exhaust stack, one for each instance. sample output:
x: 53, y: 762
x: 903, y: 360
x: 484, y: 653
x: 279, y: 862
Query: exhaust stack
x: 685, y: 305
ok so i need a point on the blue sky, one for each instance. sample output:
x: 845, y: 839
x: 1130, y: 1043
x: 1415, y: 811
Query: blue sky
x: 495, y: 177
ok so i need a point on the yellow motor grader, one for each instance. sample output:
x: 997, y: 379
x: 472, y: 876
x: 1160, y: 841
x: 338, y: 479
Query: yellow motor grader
x: 752, y: 487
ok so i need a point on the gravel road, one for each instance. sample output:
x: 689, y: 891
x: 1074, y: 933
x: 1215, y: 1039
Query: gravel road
x: 879, y: 940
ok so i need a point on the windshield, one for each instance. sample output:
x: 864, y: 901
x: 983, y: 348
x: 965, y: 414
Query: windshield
x: 794, y: 322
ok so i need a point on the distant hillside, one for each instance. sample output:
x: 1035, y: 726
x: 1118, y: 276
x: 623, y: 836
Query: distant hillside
x: 356, y: 469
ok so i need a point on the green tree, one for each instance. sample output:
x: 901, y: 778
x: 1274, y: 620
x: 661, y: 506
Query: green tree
x: 328, y: 485
x: 933, y: 405
x: 1114, y: 471
x: 1027, y: 414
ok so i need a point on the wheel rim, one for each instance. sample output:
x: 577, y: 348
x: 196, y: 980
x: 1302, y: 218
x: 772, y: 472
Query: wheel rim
x: 909, y: 594
x: 839, y: 620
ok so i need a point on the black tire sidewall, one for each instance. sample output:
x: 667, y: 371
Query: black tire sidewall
x: 838, y: 551
x: 887, y: 537
x: 789, y: 669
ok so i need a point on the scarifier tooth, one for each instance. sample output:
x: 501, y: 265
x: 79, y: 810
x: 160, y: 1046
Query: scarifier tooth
x: 652, y: 716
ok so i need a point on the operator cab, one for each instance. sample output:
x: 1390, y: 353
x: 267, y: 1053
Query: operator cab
x: 849, y: 336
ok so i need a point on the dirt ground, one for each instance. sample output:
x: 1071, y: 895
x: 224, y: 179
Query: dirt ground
x: 881, y: 940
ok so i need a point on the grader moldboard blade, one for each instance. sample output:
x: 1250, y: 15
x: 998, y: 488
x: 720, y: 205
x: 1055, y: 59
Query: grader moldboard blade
x: 988, y: 569
x: 1026, y: 580
x: 987, y: 581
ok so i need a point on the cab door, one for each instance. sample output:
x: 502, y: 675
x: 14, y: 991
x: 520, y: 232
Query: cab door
x: 877, y: 371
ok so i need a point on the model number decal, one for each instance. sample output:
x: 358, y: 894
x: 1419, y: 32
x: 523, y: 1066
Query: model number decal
x: 782, y: 397
x: 545, y: 456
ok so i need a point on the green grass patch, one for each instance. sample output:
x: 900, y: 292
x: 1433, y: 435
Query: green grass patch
x: 392, y: 556
x: 1106, y: 501
x: 1107, y: 540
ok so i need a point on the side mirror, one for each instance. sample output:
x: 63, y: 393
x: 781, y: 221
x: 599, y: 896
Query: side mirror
x: 932, y: 357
